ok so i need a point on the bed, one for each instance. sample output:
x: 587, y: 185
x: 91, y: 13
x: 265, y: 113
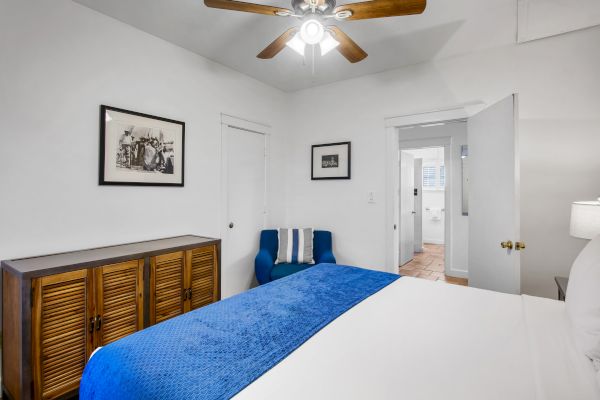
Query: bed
x: 397, y: 339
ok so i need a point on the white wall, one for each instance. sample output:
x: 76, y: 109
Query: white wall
x: 543, y: 18
x: 433, y: 222
x: 59, y: 61
x: 560, y: 135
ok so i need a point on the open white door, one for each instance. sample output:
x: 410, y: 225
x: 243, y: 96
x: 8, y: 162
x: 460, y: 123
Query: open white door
x: 407, y: 207
x: 418, y: 205
x: 494, y: 213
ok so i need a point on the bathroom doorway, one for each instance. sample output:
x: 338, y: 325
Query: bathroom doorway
x: 427, y: 187
x: 433, y: 223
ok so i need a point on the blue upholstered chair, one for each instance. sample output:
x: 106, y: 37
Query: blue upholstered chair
x: 264, y: 263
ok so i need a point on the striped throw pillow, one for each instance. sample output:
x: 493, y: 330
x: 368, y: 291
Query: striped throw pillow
x: 295, y: 246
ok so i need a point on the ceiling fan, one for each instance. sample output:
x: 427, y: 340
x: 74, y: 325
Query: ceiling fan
x: 313, y: 14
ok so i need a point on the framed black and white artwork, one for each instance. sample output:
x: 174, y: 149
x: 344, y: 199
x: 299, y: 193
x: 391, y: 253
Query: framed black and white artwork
x: 139, y: 149
x: 330, y: 161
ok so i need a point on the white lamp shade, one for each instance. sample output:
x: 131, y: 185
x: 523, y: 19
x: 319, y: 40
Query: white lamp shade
x: 585, y: 219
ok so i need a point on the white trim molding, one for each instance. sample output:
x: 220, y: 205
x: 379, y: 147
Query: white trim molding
x: 245, y: 124
x: 393, y: 127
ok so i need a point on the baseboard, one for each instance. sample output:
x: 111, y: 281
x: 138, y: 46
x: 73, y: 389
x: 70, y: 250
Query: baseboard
x: 427, y: 241
x: 458, y: 273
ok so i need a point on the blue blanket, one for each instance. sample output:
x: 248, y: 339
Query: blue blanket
x: 216, y: 351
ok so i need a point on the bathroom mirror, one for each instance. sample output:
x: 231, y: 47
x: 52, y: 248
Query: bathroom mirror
x: 464, y: 157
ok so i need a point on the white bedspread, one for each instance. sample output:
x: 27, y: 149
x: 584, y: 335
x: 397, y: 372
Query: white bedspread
x: 418, y: 339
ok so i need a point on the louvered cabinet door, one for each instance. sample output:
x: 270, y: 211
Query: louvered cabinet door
x: 61, y: 341
x: 166, y: 286
x: 202, y: 270
x: 119, y: 301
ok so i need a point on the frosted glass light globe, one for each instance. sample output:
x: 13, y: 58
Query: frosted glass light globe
x: 311, y: 31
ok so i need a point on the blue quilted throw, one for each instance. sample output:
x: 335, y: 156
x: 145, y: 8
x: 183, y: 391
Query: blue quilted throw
x: 216, y: 351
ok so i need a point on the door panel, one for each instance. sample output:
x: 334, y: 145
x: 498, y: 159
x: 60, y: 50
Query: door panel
x: 246, y: 184
x: 202, y: 267
x: 493, y: 198
x: 418, y: 205
x: 62, y: 341
x: 119, y: 300
x: 407, y: 207
x: 167, y: 286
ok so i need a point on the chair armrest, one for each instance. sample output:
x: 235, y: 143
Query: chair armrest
x: 326, y: 257
x: 263, y: 264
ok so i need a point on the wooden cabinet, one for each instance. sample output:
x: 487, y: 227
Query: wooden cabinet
x: 119, y: 306
x: 57, y: 309
x: 61, y: 342
x: 182, y: 281
x: 75, y: 312
x: 202, y: 277
x: 167, y: 286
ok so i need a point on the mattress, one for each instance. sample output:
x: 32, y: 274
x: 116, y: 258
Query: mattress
x: 417, y: 339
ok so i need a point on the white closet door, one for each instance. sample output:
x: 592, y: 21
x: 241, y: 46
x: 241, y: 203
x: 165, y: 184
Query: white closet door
x: 246, y: 190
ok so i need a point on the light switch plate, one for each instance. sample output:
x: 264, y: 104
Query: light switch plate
x: 371, y: 198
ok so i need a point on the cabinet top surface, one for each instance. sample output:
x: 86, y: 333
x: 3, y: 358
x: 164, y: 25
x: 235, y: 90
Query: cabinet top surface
x: 104, y: 255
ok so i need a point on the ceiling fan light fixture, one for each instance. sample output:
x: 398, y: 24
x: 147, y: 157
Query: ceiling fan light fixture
x: 312, y: 31
x: 296, y: 44
x: 328, y: 43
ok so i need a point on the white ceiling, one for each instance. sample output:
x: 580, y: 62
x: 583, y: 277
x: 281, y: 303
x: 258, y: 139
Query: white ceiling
x: 445, y: 29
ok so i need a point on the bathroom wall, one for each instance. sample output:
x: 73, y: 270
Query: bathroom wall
x: 433, y: 199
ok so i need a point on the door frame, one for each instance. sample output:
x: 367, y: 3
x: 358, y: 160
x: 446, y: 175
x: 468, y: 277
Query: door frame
x: 243, y: 125
x: 393, y: 131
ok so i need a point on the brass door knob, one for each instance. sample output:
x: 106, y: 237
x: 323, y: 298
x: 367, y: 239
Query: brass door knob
x: 520, y: 245
x: 507, y: 245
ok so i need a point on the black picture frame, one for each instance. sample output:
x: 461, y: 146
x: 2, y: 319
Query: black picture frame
x: 347, y: 175
x: 102, y: 158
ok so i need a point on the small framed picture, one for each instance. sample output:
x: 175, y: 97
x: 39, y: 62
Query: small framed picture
x: 330, y: 161
x: 139, y: 149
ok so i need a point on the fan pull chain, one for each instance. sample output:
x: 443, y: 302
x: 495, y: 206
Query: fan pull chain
x: 313, y: 59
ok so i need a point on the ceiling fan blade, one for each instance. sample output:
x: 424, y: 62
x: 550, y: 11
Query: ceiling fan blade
x: 246, y: 7
x: 382, y: 8
x: 348, y: 48
x: 277, y: 45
